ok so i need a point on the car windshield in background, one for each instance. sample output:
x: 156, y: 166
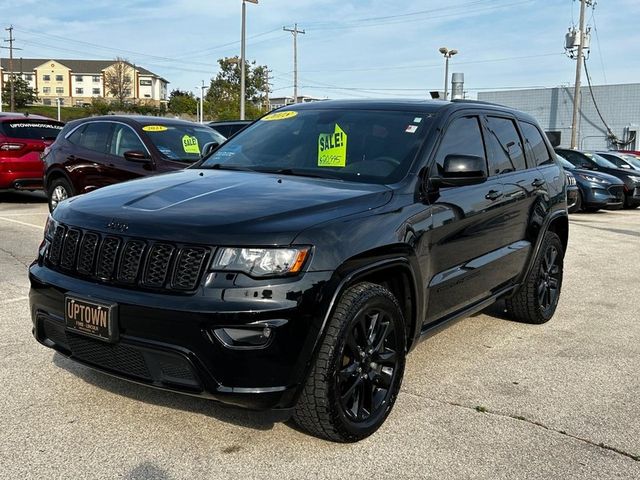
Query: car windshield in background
x: 632, y: 160
x: 368, y: 146
x: 31, y: 129
x: 181, y: 143
x: 601, y: 161
x: 565, y: 163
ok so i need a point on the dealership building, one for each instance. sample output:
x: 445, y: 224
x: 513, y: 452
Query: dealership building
x: 78, y: 82
x: 619, y: 106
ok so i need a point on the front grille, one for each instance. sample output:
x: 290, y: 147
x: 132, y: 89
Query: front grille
x: 617, y: 191
x: 127, y: 261
x: 119, y: 357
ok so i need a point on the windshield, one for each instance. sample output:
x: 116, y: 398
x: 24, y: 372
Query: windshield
x: 31, y: 129
x: 601, y: 161
x: 366, y: 146
x: 632, y: 160
x: 565, y: 163
x: 182, y: 143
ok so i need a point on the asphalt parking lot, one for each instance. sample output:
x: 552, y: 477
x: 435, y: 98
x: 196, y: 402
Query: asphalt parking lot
x: 486, y: 398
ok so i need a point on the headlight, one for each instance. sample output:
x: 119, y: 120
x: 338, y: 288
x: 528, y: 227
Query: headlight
x: 49, y: 227
x: 261, y: 262
x: 591, y: 178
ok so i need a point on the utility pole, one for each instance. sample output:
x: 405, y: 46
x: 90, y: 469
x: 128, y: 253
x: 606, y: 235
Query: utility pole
x: 202, y: 102
x: 295, y: 33
x: 576, y: 91
x: 267, y: 88
x: 243, y: 42
x: 12, y: 102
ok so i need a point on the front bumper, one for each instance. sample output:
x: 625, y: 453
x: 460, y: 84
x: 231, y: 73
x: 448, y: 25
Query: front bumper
x: 596, y: 195
x: 167, y: 340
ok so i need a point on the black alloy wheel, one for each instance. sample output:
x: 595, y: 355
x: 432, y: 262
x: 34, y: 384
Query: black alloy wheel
x: 357, y: 373
x: 537, y: 298
x: 369, y: 362
x: 549, y: 279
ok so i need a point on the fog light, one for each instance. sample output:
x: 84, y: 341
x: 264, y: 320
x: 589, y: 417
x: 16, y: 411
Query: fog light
x: 244, y: 338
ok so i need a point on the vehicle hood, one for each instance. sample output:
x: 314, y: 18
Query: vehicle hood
x: 219, y: 207
x: 604, y: 176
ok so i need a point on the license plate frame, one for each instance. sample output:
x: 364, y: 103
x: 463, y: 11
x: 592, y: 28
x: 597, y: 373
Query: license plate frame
x: 93, y: 318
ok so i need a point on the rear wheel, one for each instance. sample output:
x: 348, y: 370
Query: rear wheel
x: 537, y: 298
x: 578, y: 205
x: 59, y: 190
x: 627, y: 202
x: 357, y: 375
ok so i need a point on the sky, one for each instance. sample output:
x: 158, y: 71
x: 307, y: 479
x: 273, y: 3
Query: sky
x: 350, y: 49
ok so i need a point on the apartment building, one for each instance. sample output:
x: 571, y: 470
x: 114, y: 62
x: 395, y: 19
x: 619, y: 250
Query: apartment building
x: 78, y: 82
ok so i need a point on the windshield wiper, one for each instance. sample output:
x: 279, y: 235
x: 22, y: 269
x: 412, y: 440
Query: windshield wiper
x: 297, y: 173
x: 222, y: 166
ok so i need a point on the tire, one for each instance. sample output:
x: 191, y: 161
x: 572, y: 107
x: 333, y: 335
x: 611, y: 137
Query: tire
x: 537, y: 298
x: 350, y: 392
x: 578, y: 205
x: 59, y: 190
x: 627, y: 203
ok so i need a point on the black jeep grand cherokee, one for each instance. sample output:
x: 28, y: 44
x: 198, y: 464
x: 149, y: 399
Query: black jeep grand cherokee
x: 295, y: 266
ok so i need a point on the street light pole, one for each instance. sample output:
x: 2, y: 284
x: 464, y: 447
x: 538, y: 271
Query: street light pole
x: 447, y: 55
x: 242, y: 56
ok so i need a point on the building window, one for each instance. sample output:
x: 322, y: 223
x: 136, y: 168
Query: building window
x: 78, y: 103
x: 46, y: 90
x: 61, y: 101
x: 59, y: 90
x: 96, y: 78
x: 59, y: 78
x: 79, y: 91
x: 145, y: 83
x: 46, y: 78
x: 79, y: 78
x: 28, y: 77
x: 46, y: 101
x: 96, y: 91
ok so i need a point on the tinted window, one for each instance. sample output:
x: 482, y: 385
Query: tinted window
x: 96, y: 136
x: 463, y: 137
x: 368, y: 146
x: 32, y: 129
x: 504, y: 146
x: 536, y: 147
x: 76, y: 135
x: 124, y: 139
x: 181, y: 142
x: 576, y: 158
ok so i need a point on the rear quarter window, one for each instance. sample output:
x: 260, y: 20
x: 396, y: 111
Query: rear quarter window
x: 536, y: 147
x: 31, y: 129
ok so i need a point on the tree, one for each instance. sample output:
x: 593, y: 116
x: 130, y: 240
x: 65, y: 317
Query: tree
x: 224, y: 92
x: 23, y: 94
x: 182, y: 102
x: 118, y: 79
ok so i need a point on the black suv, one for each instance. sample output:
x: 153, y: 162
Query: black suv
x: 295, y: 266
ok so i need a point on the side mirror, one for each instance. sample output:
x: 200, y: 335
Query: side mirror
x: 461, y: 170
x: 137, y: 156
x: 209, y: 147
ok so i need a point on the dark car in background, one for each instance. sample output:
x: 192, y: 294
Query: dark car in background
x: 592, y: 161
x: 627, y: 161
x: 23, y: 138
x: 297, y: 265
x: 94, y: 152
x: 229, y: 128
x: 596, y: 190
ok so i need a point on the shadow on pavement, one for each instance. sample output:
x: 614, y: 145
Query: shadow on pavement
x: 176, y: 401
x: 23, y: 197
x: 147, y: 470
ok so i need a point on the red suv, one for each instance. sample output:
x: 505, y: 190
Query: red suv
x: 22, y: 139
x: 94, y: 152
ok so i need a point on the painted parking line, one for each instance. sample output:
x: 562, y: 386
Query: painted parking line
x: 39, y: 227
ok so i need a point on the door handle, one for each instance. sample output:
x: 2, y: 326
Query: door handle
x: 537, y: 183
x: 493, y: 195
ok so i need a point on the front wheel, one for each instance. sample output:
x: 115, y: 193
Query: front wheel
x: 578, y: 205
x: 537, y: 298
x: 356, y: 377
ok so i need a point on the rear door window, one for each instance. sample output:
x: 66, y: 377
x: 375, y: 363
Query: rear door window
x: 536, y: 147
x: 504, y: 146
x: 96, y: 136
x: 125, y: 140
x: 31, y: 129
